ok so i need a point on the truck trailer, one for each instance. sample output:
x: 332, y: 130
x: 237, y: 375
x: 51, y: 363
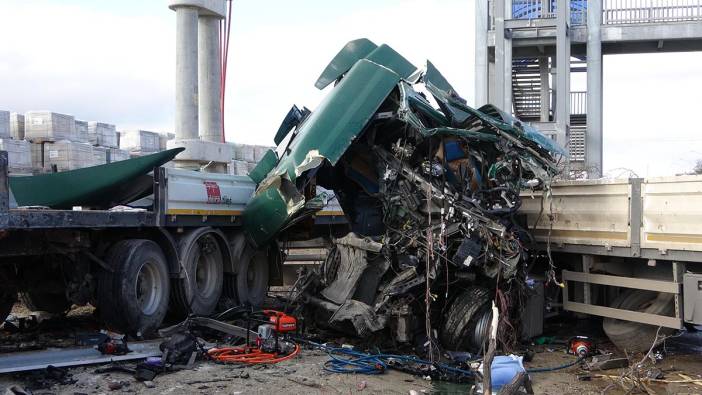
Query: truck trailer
x: 183, y: 251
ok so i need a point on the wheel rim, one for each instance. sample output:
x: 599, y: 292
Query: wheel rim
x: 149, y: 288
x: 251, y: 274
x: 206, y: 268
x: 482, y: 327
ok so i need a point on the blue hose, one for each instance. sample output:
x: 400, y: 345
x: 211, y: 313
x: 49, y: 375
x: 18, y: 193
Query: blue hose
x: 541, y: 370
x: 359, y: 362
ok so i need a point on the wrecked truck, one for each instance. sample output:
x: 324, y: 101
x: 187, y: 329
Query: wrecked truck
x: 430, y: 188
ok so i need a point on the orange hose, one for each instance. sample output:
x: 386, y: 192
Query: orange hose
x: 248, y: 355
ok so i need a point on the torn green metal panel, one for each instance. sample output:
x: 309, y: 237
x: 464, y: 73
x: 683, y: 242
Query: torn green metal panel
x: 386, y: 56
x: 265, y: 215
x: 351, y: 53
x: 528, y: 131
x: 264, y: 166
x: 469, y: 134
x: 325, y: 135
x: 364, y: 49
x: 96, y: 186
x: 341, y: 116
x: 444, y: 94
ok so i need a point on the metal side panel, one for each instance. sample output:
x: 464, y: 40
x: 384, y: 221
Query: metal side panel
x: 585, y: 212
x: 672, y: 213
x: 196, y: 193
x: 626, y: 282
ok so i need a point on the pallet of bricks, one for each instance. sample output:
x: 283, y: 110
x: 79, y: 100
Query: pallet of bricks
x: 246, y: 157
x: 59, y: 142
x: 142, y: 142
x: 18, y: 150
x: 105, y: 141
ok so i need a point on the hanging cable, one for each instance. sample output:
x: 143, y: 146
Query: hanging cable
x: 225, y: 32
x: 547, y: 369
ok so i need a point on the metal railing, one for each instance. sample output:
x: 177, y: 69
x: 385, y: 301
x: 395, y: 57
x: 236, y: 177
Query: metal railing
x: 614, y: 12
x: 578, y: 103
x: 650, y: 11
x: 540, y: 9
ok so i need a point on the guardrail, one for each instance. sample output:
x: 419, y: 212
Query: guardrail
x: 540, y: 9
x: 614, y: 12
x: 578, y: 103
x: 650, y: 11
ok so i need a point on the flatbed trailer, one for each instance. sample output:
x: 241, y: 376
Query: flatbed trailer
x: 184, y: 251
x: 627, y: 250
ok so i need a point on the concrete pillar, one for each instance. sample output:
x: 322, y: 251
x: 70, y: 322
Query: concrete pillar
x: 563, y: 70
x: 593, y: 136
x: 209, y: 78
x: 499, y: 87
x: 186, y: 123
x: 545, y: 85
x: 481, y: 55
x: 503, y: 57
x: 491, y: 83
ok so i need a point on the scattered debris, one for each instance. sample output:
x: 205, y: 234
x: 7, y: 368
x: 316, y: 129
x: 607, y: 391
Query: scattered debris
x: 75, y: 356
x: 606, y: 362
x: 305, y: 381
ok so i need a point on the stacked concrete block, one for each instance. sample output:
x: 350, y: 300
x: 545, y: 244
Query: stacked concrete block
x: 99, y: 156
x: 164, y: 138
x: 49, y: 126
x: 116, y: 155
x: 4, y: 124
x: 238, y: 168
x: 17, y: 126
x: 64, y: 154
x: 249, y: 155
x: 244, y: 152
x: 102, y: 134
x: 81, y: 132
x: 202, y: 151
x: 259, y: 151
x: 19, y: 155
x: 139, y: 141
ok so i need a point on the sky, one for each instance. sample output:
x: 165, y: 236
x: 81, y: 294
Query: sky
x: 114, y: 61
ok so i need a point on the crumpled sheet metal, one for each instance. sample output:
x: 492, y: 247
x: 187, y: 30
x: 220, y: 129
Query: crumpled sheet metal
x: 330, y: 130
x: 373, y: 84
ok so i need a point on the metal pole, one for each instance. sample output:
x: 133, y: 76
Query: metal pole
x: 500, y: 43
x: 593, y: 137
x: 563, y: 72
x: 481, y: 57
x: 545, y: 94
x: 507, y: 95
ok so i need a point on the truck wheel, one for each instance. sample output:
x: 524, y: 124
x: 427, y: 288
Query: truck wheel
x: 252, y: 278
x: 633, y: 336
x: 55, y: 303
x: 199, y: 291
x: 133, y: 297
x: 7, y: 300
x: 8, y: 295
x: 467, y: 321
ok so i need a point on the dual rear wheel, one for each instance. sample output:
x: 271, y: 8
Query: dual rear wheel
x: 136, y: 291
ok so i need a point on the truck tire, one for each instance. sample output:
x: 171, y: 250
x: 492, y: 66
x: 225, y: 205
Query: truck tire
x: 252, y: 278
x: 7, y: 300
x: 467, y: 320
x: 133, y: 296
x: 203, y: 265
x: 8, y: 294
x: 633, y: 336
x: 55, y: 303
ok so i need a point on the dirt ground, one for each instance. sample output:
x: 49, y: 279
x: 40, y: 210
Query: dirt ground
x: 305, y: 373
